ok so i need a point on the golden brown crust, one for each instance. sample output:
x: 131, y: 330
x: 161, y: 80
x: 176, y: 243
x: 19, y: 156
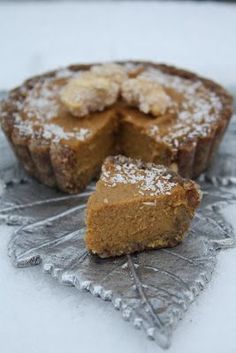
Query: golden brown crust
x: 52, y: 165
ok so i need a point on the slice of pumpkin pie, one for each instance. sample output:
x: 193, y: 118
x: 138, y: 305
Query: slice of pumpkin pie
x: 137, y: 206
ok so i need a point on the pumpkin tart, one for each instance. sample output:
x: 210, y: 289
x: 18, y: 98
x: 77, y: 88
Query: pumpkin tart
x: 137, y: 206
x: 63, y: 124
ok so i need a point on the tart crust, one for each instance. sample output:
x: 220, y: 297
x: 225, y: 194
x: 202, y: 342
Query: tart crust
x: 58, y: 164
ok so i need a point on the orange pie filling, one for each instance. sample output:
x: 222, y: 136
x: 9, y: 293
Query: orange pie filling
x: 138, y: 206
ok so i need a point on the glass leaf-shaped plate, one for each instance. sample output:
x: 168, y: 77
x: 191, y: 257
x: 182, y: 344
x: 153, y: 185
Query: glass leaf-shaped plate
x: 151, y: 289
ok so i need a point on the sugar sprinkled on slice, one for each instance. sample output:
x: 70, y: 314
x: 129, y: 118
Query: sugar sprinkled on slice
x: 149, y: 178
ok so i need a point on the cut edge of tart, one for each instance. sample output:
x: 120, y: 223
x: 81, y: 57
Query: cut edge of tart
x: 138, y: 206
x: 52, y: 153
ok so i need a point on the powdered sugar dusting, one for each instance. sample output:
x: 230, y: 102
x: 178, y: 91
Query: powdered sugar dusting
x: 41, y: 102
x: 197, y: 112
x: 66, y: 73
x: 57, y: 133
x: 153, y: 130
x: 148, y: 177
x: 41, y: 106
x: 49, y: 132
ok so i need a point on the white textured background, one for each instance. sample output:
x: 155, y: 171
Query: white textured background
x: 37, y: 315
x: 40, y: 36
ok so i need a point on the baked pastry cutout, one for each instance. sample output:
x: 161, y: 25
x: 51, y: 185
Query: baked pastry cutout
x: 146, y: 95
x: 88, y: 94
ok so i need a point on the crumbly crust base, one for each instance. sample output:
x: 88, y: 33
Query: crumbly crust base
x: 53, y: 165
